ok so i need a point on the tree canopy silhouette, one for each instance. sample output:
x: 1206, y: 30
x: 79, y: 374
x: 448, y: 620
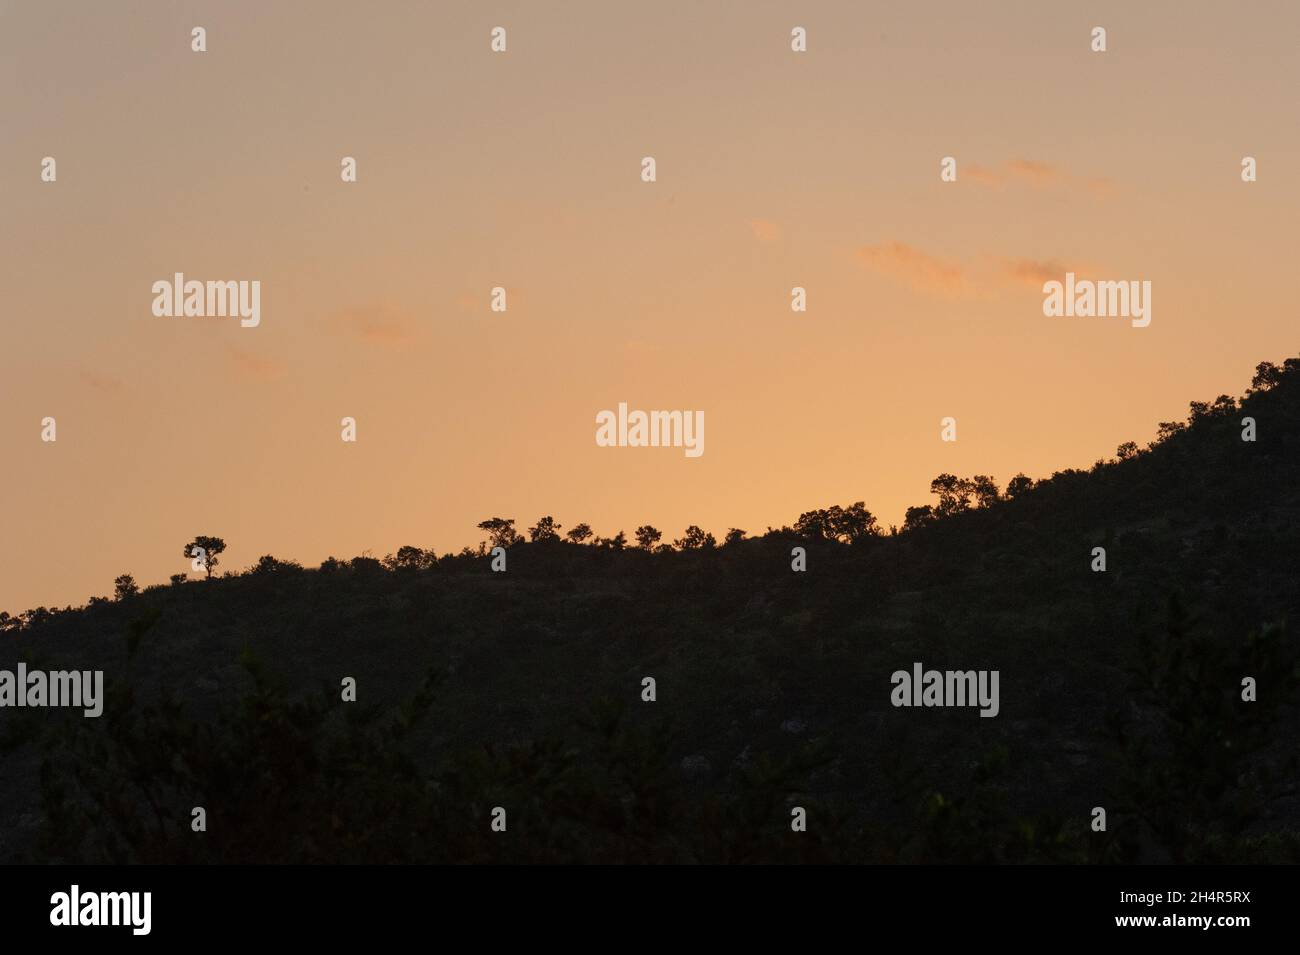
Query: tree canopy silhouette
x: 205, y: 549
x: 501, y: 531
x: 578, y: 533
x: 545, y: 530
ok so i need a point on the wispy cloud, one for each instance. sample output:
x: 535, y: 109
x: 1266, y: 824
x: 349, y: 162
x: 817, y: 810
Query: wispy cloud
x: 1035, y: 173
x: 1032, y: 271
x: 983, y: 175
x: 1030, y: 170
x: 378, y: 324
x: 249, y: 364
x: 924, y: 272
x: 983, y: 276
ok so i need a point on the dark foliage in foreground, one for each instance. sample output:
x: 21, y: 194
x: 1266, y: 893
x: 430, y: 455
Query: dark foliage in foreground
x: 522, y: 690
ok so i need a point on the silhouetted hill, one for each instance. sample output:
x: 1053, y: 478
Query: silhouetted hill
x: 1119, y: 689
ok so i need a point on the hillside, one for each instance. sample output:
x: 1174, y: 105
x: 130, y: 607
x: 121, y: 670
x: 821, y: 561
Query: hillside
x: 523, y: 689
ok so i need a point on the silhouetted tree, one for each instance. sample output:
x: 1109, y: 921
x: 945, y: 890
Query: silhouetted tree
x: 954, y: 494
x: 177, y: 579
x: 36, y: 616
x: 916, y: 516
x: 853, y: 523
x: 846, y: 524
x: 617, y: 542
x: 647, y: 537
x: 985, y: 490
x: 815, y: 524
x: 1167, y: 429
x: 695, y: 539
x: 1128, y: 449
x: 409, y: 557
x: 1019, y: 485
x: 734, y: 536
x: 1267, y: 375
x: 1221, y: 406
x: 124, y: 586
x: 366, y: 566
x: 205, y: 549
x: 501, y: 531
x: 579, y: 533
x: 545, y: 530
x: 267, y: 564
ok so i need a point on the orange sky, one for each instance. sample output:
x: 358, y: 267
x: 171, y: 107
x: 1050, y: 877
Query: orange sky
x: 775, y: 169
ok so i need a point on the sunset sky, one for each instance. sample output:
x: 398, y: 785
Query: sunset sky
x: 522, y: 170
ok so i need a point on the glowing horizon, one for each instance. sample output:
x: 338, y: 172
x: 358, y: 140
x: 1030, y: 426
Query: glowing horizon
x: 522, y: 171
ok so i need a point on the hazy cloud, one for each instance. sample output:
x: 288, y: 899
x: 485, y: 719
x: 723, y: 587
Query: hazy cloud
x: 765, y: 231
x: 249, y: 364
x: 982, y: 276
x: 1032, y: 272
x: 377, y: 324
x: 924, y: 272
x: 982, y: 174
x: 1030, y: 170
x: 1035, y: 173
